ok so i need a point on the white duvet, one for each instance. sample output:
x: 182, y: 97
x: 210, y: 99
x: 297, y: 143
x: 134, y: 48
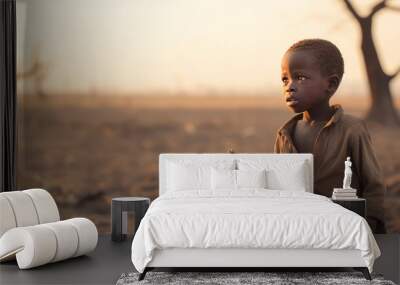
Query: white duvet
x: 251, y: 218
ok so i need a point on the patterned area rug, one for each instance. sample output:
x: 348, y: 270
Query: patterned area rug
x: 225, y: 278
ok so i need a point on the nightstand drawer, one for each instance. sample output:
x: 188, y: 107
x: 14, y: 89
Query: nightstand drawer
x: 358, y: 206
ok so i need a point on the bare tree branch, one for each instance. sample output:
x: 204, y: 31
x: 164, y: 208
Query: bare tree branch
x: 382, y: 109
x: 393, y: 8
x: 379, y: 6
x: 350, y: 7
x: 393, y: 75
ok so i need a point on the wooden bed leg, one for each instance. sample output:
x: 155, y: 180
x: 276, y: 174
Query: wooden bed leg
x: 364, y: 271
x: 143, y: 274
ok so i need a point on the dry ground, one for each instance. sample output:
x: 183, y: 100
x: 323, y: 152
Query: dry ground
x: 87, y: 149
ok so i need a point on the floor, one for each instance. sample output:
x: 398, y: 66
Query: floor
x: 103, y: 266
x: 111, y: 259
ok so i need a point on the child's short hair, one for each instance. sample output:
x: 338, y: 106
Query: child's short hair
x: 326, y: 53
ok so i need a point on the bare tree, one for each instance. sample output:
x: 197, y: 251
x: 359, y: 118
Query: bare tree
x: 382, y: 109
x: 38, y: 72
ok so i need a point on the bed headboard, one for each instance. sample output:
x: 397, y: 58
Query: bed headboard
x: 164, y: 157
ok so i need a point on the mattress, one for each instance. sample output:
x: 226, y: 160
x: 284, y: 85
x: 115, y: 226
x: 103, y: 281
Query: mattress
x: 250, y: 218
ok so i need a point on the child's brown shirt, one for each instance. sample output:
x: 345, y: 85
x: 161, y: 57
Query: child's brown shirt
x: 343, y: 135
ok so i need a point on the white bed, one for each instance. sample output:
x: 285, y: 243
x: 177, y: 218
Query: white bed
x: 249, y: 227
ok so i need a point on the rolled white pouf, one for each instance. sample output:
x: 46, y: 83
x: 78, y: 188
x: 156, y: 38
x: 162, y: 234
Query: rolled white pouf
x: 87, y: 234
x: 23, y: 208
x: 45, y: 205
x: 67, y: 240
x: 45, y: 243
x: 33, y: 246
x: 7, y: 218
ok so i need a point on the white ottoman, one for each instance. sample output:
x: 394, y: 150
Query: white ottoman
x: 31, y: 232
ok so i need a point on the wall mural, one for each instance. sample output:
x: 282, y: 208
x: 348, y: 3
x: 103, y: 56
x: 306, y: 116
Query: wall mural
x: 105, y: 87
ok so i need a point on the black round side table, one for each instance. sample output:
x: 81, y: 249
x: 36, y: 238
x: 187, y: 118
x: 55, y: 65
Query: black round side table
x: 119, y: 215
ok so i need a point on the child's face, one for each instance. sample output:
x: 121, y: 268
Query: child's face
x: 304, y: 87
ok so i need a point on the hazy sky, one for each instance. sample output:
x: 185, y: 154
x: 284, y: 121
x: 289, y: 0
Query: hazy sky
x: 190, y: 45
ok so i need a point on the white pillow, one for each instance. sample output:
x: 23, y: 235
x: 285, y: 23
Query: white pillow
x: 292, y: 179
x: 227, y: 179
x: 223, y: 179
x: 188, y: 177
x: 282, y: 174
x: 251, y: 178
x: 193, y: 174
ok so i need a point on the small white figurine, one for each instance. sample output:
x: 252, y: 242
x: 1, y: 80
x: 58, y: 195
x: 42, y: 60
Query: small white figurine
x: 347, y: 174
